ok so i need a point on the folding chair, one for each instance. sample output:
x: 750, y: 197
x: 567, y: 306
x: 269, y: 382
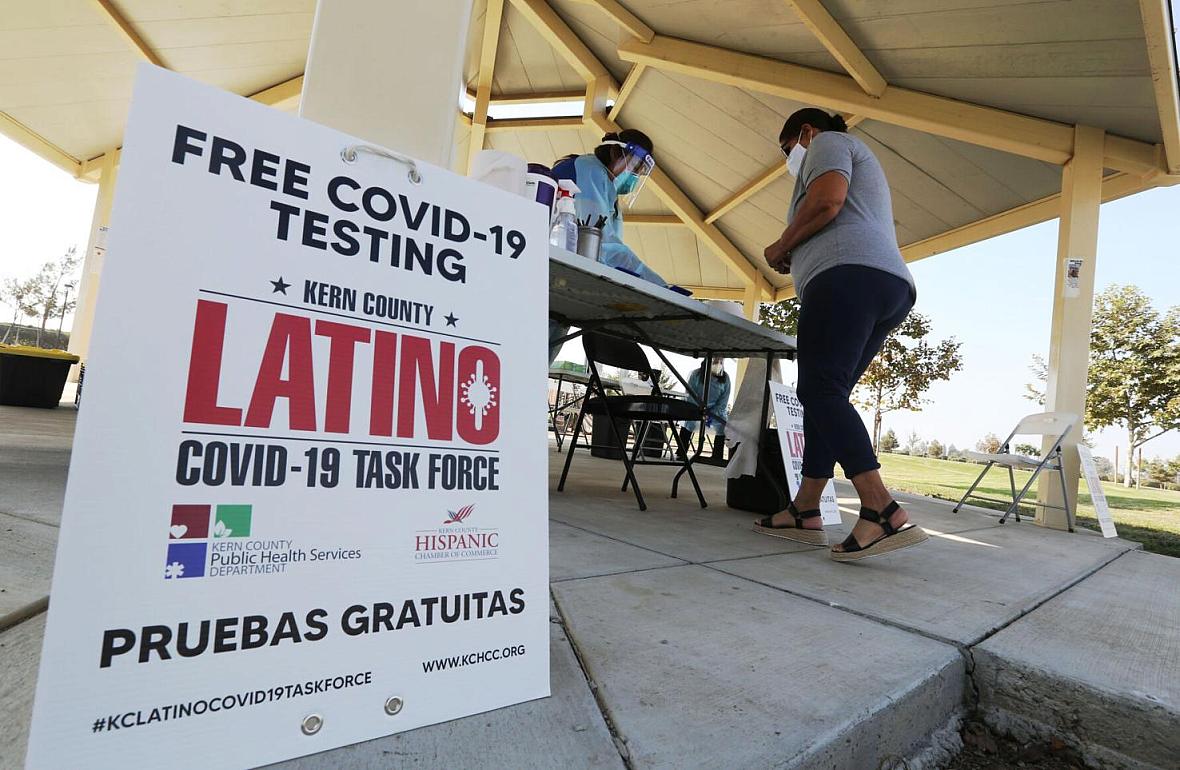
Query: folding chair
x: 624, y: 409
x: 1055, y: 424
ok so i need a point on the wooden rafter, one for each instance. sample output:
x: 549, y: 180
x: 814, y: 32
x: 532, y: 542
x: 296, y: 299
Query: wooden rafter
x: 654, y: 220
x: 625, y: 90
x: 493, y: 17
x: 125, y: 28
x: 747, y: 191
x: 581, y: 58
x: 534, y: 124
x: 559, y: 35
x: 833, y: 37
x: 281, y: 96
x: 623, y: 17
x: 1043, y: 140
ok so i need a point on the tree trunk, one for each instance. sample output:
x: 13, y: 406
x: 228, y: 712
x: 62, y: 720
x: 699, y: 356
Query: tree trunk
x: 1139, y: 470
x: 877, y: 430
x: 1130, y: 458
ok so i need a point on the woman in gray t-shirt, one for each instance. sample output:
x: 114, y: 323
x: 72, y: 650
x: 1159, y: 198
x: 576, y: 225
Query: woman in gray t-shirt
x: 854, y: 288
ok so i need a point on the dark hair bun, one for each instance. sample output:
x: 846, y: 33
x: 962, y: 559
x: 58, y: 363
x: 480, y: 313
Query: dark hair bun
x: 838, y: 123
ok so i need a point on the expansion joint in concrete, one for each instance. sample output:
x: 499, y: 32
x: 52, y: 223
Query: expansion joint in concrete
x: 617, y: 738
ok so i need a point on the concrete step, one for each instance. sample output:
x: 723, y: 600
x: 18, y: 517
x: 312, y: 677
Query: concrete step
x: 696, y: 668
x: 1097, y: 666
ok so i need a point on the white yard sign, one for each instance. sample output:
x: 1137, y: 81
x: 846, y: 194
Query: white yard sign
x: 788, y: 414
x: 1097, y: 495
x: 307, y: 499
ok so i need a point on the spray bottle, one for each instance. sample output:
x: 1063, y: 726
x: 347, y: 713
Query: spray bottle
x: 564, y: 233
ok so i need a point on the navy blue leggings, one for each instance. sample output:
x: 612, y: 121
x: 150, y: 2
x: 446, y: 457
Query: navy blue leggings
x: 846, y: 314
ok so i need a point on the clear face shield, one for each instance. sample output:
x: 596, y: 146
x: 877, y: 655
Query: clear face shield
x: 637, y: 167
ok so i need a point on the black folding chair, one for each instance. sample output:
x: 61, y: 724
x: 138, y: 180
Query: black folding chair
x: 623, y: 410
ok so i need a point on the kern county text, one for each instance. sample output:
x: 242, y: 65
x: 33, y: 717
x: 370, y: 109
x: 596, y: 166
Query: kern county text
x: 190, y: 639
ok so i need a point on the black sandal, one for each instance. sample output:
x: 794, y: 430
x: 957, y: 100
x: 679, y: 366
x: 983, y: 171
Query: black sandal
x: 891, y: 540
x: 795, y: 530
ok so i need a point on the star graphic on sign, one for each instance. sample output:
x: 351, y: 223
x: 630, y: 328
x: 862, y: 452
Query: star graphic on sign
x: 450, y: 319
x: 279, y: 286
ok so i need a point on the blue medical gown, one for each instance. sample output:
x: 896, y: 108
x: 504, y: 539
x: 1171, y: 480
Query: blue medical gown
x: 597, y: 197
x: 718, y: 405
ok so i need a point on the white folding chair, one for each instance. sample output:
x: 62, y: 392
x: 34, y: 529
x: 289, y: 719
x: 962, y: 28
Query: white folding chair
x: 1054, y: 424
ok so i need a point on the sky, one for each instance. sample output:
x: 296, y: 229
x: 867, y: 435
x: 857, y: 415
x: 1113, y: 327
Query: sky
x: 994, y: 297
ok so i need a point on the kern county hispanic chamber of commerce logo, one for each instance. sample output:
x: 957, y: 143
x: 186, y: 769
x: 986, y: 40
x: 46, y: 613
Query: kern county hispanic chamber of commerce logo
x: 454, y: 540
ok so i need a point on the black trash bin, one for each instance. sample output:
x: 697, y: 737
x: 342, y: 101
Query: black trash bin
x: 32, y: 376
x: 603, y: 440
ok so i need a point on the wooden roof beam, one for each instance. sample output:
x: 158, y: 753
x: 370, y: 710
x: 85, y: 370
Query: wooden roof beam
x: 558, y: 34
x: 493, y: 17
x: 281, y: 96
x: 833, y: 37
x: 124, y: 27
x: 582, y: 59
x: 1157, y: 29
x: 624, y: 18
x: 626, y: 90
x: 1043, y: 140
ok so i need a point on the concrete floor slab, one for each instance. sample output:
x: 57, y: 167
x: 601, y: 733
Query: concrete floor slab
x: 957, y: 587
x: 701, y: 669
x: 576, y: 553
x: 37, y: 428
x: 1098, y: 666
x: 564, y: 731
x: 20, y: 652
x: 26, y: 567
x: 33, y: 482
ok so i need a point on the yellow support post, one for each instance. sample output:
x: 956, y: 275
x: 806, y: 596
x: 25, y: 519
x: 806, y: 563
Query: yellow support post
x: 93, y: 259
x: 1073, y: 303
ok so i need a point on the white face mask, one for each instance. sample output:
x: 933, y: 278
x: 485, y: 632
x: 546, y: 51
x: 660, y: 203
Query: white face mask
x: 795, y: 157
x: 718, y: 369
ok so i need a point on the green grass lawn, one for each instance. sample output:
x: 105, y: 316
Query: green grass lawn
x: 1148, y: 516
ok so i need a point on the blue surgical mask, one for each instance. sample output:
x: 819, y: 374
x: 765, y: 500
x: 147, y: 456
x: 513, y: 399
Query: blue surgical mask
x: 625, y: 182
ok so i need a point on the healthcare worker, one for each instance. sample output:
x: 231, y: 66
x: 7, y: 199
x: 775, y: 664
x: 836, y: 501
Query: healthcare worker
x: 718, y: 406
x: 609, y: 180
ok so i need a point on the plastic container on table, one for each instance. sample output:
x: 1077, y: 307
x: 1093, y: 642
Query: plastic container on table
x: 33, y: 376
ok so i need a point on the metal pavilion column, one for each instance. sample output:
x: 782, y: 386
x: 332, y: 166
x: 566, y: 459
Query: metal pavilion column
x: 1069, y: 343
x: 93, y: 259
x: 389, y: 72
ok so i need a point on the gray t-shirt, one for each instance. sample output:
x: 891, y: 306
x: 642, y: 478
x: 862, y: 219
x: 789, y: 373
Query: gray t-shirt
x: 862, y: 233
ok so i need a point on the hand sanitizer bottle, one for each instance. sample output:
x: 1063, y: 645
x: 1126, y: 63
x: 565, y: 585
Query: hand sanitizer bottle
x: 564, y: 232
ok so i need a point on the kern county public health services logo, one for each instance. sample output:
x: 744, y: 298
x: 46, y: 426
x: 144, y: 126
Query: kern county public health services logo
x: 190, y: 531
x: 455, y: 540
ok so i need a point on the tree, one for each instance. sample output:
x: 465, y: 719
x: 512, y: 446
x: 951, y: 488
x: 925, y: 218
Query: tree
x: 1104, y: 467
x: 889, y: 441
x: 1032, y: 391
x: 1133, y: 380
x: 17, y: 294
x: 781, y: 316
x: 936, y: 449
x: 905, y: 368
x: 1134, y: 376
x: 912, y: 442
x: 47, y: 284
x: 989, y: 444
x: 1028, y: 450
x: 896, y: 379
